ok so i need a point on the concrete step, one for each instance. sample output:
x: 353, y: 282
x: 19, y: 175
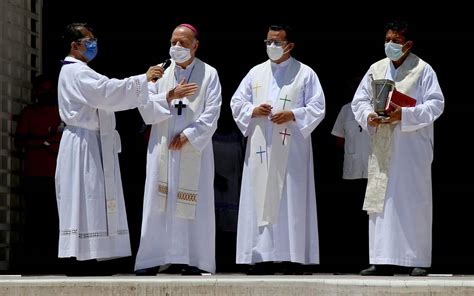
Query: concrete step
x: 236, y: 284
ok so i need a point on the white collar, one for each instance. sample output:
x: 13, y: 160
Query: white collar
x: 73, y: 59
x: 282, y: 64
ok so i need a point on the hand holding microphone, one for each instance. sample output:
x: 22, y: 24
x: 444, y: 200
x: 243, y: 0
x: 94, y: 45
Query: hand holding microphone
x: 165, y: 65
x: 156, y: 72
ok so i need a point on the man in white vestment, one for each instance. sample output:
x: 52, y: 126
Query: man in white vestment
x: 178, y: 226
x: 355, y: 141
x: 277, y: 106
x: 93, y: 222
x: 399, y: 195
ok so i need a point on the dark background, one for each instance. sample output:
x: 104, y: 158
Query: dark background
x: 339, y: 42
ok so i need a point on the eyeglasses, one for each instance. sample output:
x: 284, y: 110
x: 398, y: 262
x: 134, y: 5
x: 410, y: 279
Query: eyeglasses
x: 276, y: 42
x: 87, y: 40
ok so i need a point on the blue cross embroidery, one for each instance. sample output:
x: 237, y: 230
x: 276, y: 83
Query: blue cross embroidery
x: 261, y: 153
x: 284, y: 133
x: 285, y: 100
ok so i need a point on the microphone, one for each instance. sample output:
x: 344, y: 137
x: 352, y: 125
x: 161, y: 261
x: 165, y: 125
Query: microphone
x: 165, y: 65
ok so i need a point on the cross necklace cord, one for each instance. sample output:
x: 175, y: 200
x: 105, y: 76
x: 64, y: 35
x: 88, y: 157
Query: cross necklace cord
x: 180, y: 105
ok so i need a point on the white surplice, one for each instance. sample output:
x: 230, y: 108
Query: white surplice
x: 401, y: 234
x: 166, y: 238
x: 295, y: 235
x: 356, y: 144
x: 87, y: 229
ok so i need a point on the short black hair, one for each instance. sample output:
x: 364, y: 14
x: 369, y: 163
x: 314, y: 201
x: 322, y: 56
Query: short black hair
x: 73, y: 32
x: 283, y: 27
x: 400, y: 26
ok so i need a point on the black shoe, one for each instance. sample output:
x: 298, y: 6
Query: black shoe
x: 378, y: 270
x: 174, y: 269
x: 152, y: 271
x: 292, y: 268
x: 418, y: 271
x: 261, y: 268
x: 192, y: 270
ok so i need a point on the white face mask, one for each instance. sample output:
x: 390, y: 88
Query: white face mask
x: 393, y: 51
x: 274, y: 52
x: 180, y: 54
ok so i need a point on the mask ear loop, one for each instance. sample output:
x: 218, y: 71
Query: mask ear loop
x: 285, y: 52
x: 404, y: 52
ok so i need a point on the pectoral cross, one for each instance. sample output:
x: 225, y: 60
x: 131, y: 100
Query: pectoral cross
x: 284, y: 133
x: 180, y: 107
x: 284, y: 101
x: 261, y: 154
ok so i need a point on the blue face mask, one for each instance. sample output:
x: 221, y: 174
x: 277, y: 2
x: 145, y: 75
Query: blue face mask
x: 91, y: 49
x: 394, y: 51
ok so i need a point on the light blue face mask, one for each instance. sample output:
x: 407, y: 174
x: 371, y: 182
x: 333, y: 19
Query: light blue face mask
x: 394, y: 51
x: 91, y: 49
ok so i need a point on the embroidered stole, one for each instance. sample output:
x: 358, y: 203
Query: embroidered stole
x: 189, y: 157
x: 379, y: 161
x: 110, y: 145
x: 269, y: 168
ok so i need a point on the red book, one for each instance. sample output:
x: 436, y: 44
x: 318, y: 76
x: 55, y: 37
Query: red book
x: 400, y: 99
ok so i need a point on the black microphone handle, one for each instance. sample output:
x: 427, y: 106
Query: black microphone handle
x: 165, y: 65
